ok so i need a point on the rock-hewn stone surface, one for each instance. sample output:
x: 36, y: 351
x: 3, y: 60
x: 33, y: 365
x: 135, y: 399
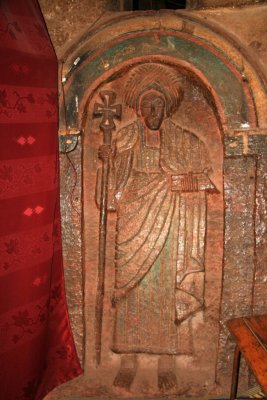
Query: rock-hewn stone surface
x: 71, y: 214
x: 259, y: 301
x: 66, y: 19
x: 245, y: 197
x: 238, y: 273
x: 247, y: 24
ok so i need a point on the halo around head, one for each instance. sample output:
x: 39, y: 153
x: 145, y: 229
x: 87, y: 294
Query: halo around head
x: 152, y: 76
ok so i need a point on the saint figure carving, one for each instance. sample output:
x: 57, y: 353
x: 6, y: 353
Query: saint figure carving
x: 158, y: 184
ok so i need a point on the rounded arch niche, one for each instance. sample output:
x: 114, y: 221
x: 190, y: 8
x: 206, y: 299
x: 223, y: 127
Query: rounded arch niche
x: 189, y: 142
x: 230, y: 71
x: 182, y: 68
x: 223, y: 91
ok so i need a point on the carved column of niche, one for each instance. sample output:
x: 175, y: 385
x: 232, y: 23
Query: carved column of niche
x: 240, y: 176
x: 260, y: 287
x: 71, y: 216
x: 257, y: 144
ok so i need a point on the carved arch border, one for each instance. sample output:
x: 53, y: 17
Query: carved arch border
x: 104, y: 48
x: 168, y: 61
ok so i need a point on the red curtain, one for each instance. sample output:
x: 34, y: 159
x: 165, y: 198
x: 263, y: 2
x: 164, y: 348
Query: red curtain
x: 37, y: 351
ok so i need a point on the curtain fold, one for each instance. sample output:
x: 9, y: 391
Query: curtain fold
x: 37, y: 351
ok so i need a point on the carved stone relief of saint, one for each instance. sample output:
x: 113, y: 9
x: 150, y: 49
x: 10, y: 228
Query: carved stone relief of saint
x: 159, y: 179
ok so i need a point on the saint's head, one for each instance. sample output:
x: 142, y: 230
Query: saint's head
x: 154, y: 91
x: 152, y: 109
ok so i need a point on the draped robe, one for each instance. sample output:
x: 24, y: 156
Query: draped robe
x: 160, y: 238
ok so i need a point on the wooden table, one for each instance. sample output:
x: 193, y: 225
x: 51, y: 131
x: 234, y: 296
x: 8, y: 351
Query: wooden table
x: 250, y: 334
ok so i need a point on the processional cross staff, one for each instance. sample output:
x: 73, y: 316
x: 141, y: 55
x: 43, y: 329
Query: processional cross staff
x: 108, y: 111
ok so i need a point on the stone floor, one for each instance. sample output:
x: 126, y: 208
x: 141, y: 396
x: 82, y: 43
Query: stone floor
x: 254, y: 392
x: 151, y: 398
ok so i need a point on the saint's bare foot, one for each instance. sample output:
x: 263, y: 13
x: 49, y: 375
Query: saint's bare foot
x: 127, y: 371
x: 166, y: 373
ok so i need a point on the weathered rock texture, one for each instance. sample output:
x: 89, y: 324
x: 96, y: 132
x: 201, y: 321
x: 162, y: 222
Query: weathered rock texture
x: 236, y: 222
x: 247, y: 24
x: 66, y: 19
x: 71, y: 215
x: 69, y: 19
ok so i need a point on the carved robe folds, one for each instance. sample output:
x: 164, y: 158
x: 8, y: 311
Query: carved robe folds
x: 160, y: 198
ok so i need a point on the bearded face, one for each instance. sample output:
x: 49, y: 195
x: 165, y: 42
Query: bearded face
x: 152, y: 108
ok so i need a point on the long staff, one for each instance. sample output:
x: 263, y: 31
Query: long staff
x: 107, y: 111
